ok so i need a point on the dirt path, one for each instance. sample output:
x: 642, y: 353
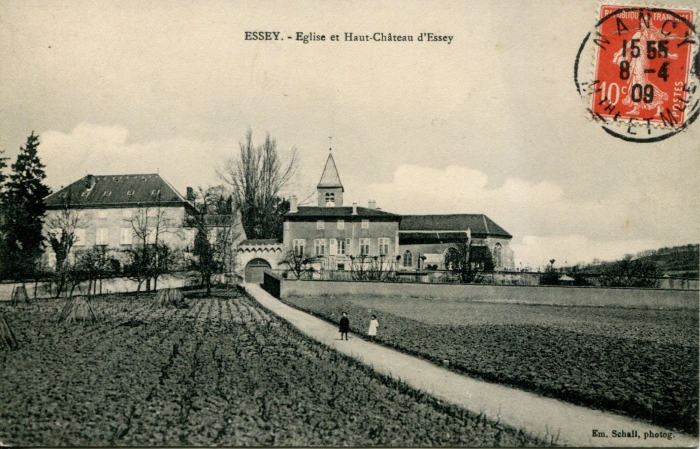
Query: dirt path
x: 537, y: 415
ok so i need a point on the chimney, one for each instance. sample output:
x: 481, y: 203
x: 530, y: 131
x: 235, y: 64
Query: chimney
x: 293, y: 204
x: 90, y: 181
x: 190, y: 194
x: 372, y: 204
x: 354, y: 208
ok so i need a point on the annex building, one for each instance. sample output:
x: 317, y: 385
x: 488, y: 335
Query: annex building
x: 339, y: 236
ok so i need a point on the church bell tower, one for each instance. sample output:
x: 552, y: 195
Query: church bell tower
x: 330, y: 189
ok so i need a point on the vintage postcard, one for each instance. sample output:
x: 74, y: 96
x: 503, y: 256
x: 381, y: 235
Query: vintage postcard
x: 353, y: 223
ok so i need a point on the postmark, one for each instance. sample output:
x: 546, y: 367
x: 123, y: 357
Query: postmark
x: 637, y: 71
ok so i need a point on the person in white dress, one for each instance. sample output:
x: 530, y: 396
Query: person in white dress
x: 373, y: 326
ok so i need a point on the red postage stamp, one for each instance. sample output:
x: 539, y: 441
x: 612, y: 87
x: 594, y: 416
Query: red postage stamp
x: 643, y: 65
x: 643, y: 72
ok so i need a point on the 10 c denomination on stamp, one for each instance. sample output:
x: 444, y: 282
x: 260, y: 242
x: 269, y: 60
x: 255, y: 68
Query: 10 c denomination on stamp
x: 644, y: 82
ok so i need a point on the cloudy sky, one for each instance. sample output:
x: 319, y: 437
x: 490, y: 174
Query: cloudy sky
x: 490, y: 123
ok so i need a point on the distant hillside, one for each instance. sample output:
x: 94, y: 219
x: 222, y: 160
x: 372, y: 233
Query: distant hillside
x: 676, y: 261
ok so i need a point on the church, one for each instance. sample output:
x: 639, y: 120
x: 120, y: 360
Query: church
x: 338, y: 237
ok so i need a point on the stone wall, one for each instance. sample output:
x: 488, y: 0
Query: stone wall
x: 563, y: 296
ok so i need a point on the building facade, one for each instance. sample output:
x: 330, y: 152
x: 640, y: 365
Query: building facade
x: 118, y: 211
x: 425, y: 239
x: 334, y: 236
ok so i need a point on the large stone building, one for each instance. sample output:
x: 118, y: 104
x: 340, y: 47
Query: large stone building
x: 339, y: 237
x: 118, y: 211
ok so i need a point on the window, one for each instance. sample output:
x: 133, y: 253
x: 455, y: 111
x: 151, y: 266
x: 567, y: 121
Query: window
x: 320, y: 247
x: 299, y: 245
x: 102, y: 214
x: 320, y: 224
x: 125, y: 236
x: 330, y: 199
x: 332, y: 247
x: 407, y: 259
x: 383, y: 246
x: 365, y: 224
x: 364, y: 247
x: 126, y: 213
x: 102, y: 237
x: 341, y: 224
x: 109, y: 193
x: 498, y: 256
x: 130, y: 192
x: 155, y: 192
x: 340, y: 267
x: 85, y: 193
x: 341, y: 247
x: 79, y: 237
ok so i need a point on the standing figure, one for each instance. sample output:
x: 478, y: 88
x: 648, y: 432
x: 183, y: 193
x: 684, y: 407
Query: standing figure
x: 344, y: 326
x: 373, y: 326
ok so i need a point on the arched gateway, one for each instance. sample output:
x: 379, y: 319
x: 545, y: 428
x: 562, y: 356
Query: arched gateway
x: 254, y: 270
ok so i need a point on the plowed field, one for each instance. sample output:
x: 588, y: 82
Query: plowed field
x: 221, y: 372
x: 638, y: 362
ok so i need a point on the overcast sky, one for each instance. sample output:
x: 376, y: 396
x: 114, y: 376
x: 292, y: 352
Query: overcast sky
x: 490, y: 123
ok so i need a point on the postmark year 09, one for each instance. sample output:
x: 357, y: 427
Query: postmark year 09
x: 637, y: 72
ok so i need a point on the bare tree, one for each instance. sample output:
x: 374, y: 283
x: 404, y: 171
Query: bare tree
x: 149, y: 256
x: 371, y: 268
x: 468, y: 261
x: 298, y: 263
x: 94, y: 265
x: 257, y: 177
x: 62, y: 225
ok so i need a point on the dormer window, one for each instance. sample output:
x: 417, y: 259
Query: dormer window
x: 85, y: 193
x: 108, y: 193
x: 155, y: 192
x: 130, y: 193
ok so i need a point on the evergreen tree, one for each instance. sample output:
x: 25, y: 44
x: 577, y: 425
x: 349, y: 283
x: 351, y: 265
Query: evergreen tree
x: 23, y: 211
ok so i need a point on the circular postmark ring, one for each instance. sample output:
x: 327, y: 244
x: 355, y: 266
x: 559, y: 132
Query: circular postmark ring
x: 642, y: 80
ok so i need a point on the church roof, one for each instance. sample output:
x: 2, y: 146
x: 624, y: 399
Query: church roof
x: 103, y: 191
x: 330, y: 177
x: 313, y: 212
x: 479, y: 224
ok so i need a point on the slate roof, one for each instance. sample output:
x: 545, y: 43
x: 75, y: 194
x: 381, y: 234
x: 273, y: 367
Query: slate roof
x: 117, y: 191
x: 330, y: 177
x: 414, y: 238
x: 479, y: 224
x: 315, y: 212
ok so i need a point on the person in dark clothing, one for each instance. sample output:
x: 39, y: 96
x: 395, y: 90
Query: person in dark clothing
x: 344, y: 326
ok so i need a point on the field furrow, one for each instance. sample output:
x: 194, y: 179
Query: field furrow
x: 221, y: 372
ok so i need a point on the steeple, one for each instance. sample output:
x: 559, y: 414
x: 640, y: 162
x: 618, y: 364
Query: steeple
x: 330, y: 189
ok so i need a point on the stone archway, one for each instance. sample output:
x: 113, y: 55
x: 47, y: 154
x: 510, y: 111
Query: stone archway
x: 254, y: 270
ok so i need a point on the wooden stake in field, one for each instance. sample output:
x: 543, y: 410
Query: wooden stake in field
x: 9, y: 342
x: 169, y: 297
x: 19, y: 294
x: 78, y: 310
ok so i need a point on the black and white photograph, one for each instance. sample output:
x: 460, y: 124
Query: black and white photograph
x: 349, y: 224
